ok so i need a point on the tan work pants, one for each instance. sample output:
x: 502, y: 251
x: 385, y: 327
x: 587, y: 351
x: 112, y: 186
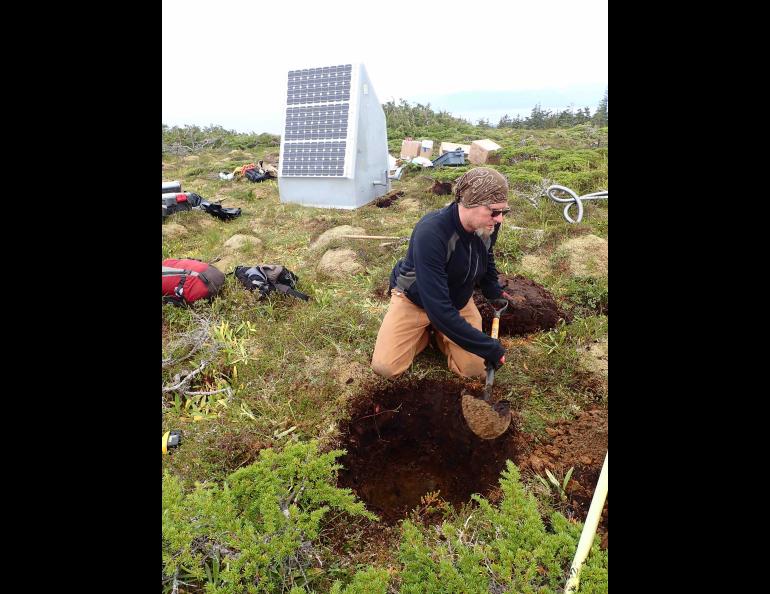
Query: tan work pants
x: 405, y: 332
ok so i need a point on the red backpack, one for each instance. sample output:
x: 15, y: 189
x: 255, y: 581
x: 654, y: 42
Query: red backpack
x: 186, y: 281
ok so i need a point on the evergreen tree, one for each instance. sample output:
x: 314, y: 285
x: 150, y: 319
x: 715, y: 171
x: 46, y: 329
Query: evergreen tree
x: 600, y: 117
x: 566, y: 118
x: 537, y: 119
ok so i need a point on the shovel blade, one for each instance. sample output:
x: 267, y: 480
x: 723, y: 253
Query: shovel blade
x: 485, y: 420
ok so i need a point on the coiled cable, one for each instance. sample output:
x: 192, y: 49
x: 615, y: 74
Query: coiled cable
x: 573, y: 199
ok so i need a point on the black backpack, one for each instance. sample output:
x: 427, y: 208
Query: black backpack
x: 224, y: 214
x: 255, y: 175
x: 268, y: 278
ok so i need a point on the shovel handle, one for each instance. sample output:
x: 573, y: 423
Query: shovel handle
x: 495, y: 330
x: 503, y: 303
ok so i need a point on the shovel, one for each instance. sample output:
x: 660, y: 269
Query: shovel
x: 485, y: 419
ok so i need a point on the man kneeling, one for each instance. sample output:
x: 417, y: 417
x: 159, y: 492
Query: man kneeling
x: 450, y: 253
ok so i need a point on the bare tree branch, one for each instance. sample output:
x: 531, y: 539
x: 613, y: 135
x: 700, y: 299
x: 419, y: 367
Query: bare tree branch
x: 187, y: 378
x: 195, y: 340
x: 227, y: 389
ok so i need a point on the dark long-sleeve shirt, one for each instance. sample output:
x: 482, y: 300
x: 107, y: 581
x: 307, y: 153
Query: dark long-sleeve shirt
x: 443, y: 265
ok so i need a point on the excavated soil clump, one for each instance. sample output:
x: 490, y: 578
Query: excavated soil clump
x: 581, y: 444
x: 531, y: 309
x: 487, y: 420
x: 409, y: 438
x: 388, y: 199
x: 441, y: 188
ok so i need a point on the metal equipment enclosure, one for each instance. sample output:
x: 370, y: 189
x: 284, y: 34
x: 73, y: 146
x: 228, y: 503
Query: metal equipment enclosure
x: 334, y: 147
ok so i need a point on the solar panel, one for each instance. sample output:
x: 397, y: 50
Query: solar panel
x: 317, y: 110
x: 314, y: 122
x: 319, y: 85
x: 334, y: 147
x: 314, y: 158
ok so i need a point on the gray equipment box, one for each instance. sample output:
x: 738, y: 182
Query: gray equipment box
x: 456, y: 157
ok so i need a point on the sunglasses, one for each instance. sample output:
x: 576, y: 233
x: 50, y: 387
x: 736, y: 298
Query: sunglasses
x: 498, y: 211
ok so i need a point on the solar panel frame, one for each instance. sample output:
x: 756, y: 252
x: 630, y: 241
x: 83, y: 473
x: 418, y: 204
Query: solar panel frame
x: 317, y: 122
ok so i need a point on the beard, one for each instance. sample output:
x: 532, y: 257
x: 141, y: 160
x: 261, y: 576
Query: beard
x: 485, y: 233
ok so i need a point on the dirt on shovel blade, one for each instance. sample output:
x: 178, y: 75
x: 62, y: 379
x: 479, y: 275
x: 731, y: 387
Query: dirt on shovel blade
x: 483, y: 419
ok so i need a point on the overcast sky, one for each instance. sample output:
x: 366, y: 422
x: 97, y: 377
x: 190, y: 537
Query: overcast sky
x: 226, y: 62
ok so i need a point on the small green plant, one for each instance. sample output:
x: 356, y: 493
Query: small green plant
x: 370, y: 580
x: 267, y: 308
x: 553, y: 339
x: 553, y: 482
x: 232, y: 340
x: 559, y: 261
x: 589, y: 293
x: 449, y: 174
x: 247, y: 412
x: 507, y: 250
x: 431, y: 506
x: 212, y: 573
x: 589, y: 328
x: 208, y: 403
x: 322, y: 297
x: 194, y: 172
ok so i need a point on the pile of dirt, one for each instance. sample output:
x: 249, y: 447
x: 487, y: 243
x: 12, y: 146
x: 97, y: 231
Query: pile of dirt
x: 581, y: 444
x: 388, y: 199
x: 407, y: 439
x: 531, y: 309
x: 441, y: 188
